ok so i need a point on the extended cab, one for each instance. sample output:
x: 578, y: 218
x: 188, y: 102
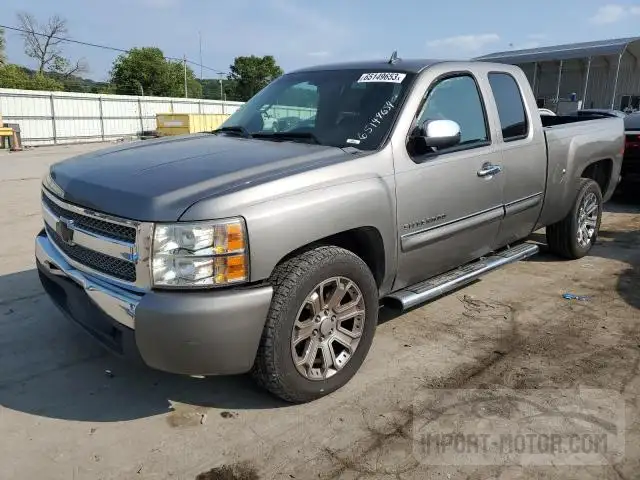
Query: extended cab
x: 266, y: 246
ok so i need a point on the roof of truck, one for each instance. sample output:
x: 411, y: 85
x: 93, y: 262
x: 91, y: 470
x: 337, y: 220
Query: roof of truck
x: 400, y: 65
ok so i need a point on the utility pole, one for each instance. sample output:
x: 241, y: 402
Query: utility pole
x: 185, y: 76
x: 200, y: 36
x: 221, y: 91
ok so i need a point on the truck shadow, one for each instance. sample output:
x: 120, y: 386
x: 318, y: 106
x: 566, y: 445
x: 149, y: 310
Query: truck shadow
x: 49, y: 367
x: 620, y: 242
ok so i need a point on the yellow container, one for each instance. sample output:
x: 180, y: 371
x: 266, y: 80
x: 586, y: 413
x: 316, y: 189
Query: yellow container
x: 186, y: 123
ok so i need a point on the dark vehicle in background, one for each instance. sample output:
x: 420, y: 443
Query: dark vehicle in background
x: 631, y: 163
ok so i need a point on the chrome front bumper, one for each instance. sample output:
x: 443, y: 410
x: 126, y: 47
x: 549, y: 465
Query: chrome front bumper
x: 117, y: 303
x: 194, y: 333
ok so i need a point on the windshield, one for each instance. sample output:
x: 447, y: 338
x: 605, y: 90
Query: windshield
x: 338, y: 108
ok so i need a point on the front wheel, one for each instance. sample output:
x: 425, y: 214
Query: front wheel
x: 320, y: 325
x: 574, y: 236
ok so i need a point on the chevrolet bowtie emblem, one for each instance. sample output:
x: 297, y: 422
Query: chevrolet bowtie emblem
x: 64, y: 228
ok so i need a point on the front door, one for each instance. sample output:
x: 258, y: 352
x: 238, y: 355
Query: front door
x: 449, y: 208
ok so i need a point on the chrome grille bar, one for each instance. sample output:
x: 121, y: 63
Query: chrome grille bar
x: 111, y: 248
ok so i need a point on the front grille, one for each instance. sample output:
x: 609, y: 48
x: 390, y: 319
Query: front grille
x: 94, y: 225
x: 97, y: 261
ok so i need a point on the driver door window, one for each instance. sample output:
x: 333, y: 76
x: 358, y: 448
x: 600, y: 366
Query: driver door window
x: 295, y: 107
x: 457, y: 99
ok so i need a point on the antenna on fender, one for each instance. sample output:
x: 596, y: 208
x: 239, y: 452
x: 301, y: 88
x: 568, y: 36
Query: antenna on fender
x: 394, y: 57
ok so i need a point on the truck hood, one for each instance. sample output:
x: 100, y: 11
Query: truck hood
x: 157, y: 180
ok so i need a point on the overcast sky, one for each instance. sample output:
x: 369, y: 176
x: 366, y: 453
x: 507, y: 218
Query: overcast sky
x: 299, y: 32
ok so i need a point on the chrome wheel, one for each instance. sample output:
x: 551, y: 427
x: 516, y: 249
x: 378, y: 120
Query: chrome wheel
x: 587, y: 219
x: 328, y: 328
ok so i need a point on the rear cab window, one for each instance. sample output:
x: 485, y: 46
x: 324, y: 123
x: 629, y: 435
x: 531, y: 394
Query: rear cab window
x: 511, y: 110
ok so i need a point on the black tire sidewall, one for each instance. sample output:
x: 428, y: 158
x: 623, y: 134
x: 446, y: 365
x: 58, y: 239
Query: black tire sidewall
x: 589, y: 186
x: 344, y: 264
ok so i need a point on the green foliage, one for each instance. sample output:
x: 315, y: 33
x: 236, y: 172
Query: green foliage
x: 13, y: 76
x: 252, y: 74
x: 73, y: 83
x: 43, y: 82
x: 146, y: 71
x: 104, y: 88
x: 211, y: 88
x: 176, y: 75
x: 3, y: 53
x: 141, y: 71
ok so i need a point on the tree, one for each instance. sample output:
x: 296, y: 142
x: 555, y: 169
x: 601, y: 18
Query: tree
x: 176, y: 73
x: 43, y: 82
x: 142, y: 71
x: 13, y: 76
x: 145, y: 71
x: 3, y: 54
x: 252, y: 74
x: 43, y: 44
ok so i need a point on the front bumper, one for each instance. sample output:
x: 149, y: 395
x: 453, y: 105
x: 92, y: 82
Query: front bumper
x: 191, y: 333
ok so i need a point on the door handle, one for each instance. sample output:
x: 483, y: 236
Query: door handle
x: 489, y: 170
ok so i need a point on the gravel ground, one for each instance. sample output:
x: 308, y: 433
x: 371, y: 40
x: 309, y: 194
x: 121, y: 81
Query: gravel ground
x: 512, y: 334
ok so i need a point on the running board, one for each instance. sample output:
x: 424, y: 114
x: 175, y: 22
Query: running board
x: 446, y: 282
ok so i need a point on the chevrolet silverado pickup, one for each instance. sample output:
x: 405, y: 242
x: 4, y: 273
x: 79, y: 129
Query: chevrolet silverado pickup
x: 266, y: 245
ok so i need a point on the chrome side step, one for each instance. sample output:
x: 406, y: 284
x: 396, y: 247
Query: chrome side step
x: 434, y: 287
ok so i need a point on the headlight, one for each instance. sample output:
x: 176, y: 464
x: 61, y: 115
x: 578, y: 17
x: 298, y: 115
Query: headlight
x: 199, y: 254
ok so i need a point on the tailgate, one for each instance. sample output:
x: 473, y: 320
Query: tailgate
x: 631, y: 163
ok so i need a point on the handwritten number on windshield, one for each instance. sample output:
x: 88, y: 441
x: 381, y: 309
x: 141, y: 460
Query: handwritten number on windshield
x: 376, y: 120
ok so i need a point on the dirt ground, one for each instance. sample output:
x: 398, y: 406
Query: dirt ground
x: 68, y: 410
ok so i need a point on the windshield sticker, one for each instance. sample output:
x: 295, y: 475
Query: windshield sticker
x: 376, y: 120
x: 385, y: 77
x: 353, y: 141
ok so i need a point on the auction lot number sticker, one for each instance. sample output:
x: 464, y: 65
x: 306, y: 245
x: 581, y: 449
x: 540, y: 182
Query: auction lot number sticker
x: 386, y: 77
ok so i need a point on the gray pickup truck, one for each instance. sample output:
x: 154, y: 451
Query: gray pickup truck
x: 267, y: 245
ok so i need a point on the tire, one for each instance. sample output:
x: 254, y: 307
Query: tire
x: 562, y: 237
x: 294, y: 281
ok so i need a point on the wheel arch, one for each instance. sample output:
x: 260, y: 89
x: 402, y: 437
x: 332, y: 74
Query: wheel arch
x: 601, y: 172
x: 366, y: 242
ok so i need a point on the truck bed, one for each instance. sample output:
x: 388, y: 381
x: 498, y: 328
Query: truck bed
x: 555, y: 120
x: 572, y: 144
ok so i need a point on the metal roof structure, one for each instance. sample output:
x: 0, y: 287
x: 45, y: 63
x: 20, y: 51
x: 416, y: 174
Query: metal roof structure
x: 568, y: 51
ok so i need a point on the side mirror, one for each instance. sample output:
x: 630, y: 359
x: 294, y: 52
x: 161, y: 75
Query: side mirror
x: 439, y: 133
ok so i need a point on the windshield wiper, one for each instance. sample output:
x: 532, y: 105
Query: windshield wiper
x: 234, y: 129
x: 289, y: 136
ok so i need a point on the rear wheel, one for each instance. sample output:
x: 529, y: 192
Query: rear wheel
x: 574, y: 236
x: 320, y: 326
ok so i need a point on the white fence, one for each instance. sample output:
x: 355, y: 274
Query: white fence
x: 47, y: 118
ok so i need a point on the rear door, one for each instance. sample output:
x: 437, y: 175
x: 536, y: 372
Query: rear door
x: 524, y: 156
x: 448, y: 210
